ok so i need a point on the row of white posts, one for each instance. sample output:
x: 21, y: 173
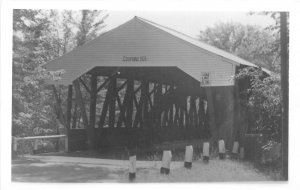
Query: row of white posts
x: 36, y: 141
x: 237, y: 152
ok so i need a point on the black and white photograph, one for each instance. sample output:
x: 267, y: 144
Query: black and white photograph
x: 133, y: 96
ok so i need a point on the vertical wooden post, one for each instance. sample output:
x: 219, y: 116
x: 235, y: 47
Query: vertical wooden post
x: 144, y: 98
x: 129, y: 102
x: 35, y: 146
x: 112, y: 104
x: 69, y: 107
x: 176, y: 117
x: 157, y: 99
x: 192, y: 111
x: 166, y: 162
x: 170, y: 107
x: 187, y: 113
x: 188, y: 158
x: 68, y: 115
x: 239, y: 128
x: 201, y: 114
x: 285, y: 91
x: 15, y: 144
x: 74, y: 117
x: 105, y: 107
x: 80, y: 102
x: 60, y: 114
x: 66, y: 144
x: 181, y: 98
x: 58, y: 103
x: 211, y: 113
x: 93, y: 102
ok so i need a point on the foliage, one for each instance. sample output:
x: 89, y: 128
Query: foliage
x: 264, y: 102
x: 262, y: 47
x: 251, y: 43
x: 38, y: 37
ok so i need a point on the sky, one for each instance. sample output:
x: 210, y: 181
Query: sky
x: 189, y: 22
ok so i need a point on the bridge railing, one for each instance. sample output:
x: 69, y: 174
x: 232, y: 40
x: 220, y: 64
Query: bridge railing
x: 16, y: 140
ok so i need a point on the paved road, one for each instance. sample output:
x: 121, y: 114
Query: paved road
x: 75, y: 169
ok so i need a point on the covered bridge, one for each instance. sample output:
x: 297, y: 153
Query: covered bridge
x: 142, y: 83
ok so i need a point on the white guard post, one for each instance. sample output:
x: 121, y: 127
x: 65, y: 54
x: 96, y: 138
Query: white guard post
x: 188, y: 156
x: 15, y: 144
x: 206, y: 152
x: 242, y: 153
x: 235, y: 149
x: 222, y: 149
x: 132, y: 167
x: 166, y: 162
x: 35, y: 146
x: 66, y: 144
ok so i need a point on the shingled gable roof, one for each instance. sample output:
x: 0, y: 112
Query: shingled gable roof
x: 108, y: 49
x: 210, y: 49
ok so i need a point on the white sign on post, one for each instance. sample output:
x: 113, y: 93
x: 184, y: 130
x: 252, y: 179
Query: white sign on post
x: 221, y: 146
x: 206, y: 149
x: 235, y: 148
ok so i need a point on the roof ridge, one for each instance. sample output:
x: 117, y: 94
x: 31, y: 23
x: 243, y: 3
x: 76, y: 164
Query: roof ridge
x: 166, y: 27
x: 204, y: 44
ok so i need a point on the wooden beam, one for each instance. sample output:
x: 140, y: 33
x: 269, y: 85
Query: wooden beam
x: 157, y: 97
x: 129, y: 102
x: 93, y: 103
x: 103, y: 84
x: 192, y: 111
x: 284, y: 42
x: 201, y: 112
x: 122, y: 111
x: 187, y: 113
x: 104, y: 109
x: 176, y: 118
x: 58, y: 103
x: 150, y: 101
x: 154, y: 89
x: 181, y: 117
x: 144, y: 98
x: 69, y: 107
x: 85, y: 86
x: 122, y: 86
x: 74, y: 118
x: 136, y: 90
x: 171, y: 105
x: 112, y: 103
x: 211, y: 113
x: 138, y: 115
x: 80, y: 102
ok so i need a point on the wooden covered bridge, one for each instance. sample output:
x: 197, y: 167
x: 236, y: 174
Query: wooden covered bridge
x: 142, y: 83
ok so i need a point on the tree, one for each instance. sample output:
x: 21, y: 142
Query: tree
x: 251, y: 43
x: 89, y: 23
x: 32, y: 47
x: 264, y: 103
x: 38, y: 37
x: 260, y: 46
